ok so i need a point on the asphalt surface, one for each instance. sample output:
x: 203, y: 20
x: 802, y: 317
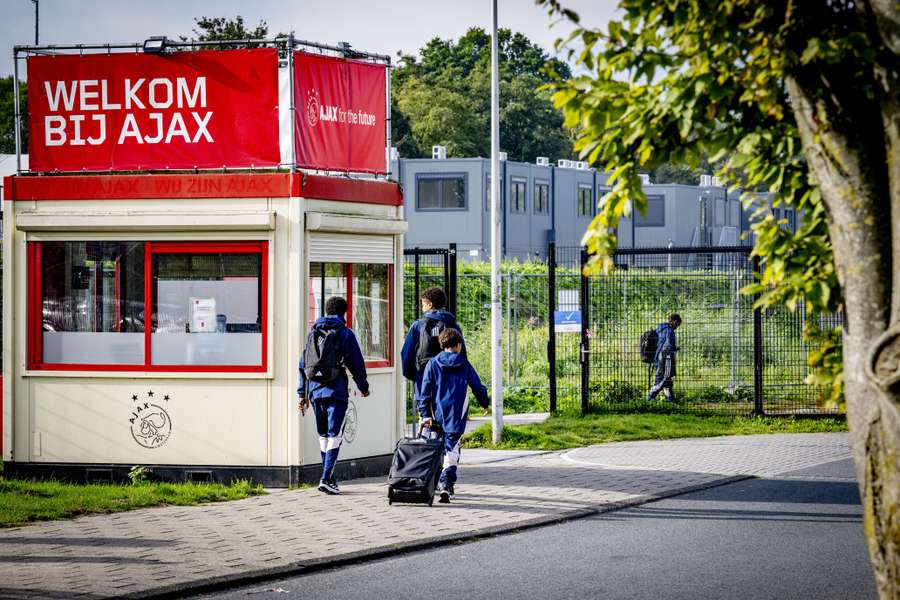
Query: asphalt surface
x: 798, y: 535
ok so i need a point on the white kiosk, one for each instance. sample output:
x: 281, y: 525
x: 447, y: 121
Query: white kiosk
x: 159, y: 318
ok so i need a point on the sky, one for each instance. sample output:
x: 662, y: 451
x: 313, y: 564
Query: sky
x: 380, y: 26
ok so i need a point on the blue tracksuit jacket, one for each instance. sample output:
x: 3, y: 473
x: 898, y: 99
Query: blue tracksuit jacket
x: 666, y: 341
x: 351, y: 358
x: 444, y: 393
x: 411, y: 345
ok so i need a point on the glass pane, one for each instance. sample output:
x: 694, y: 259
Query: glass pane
x: 584, y: 202
x: 207, y: 309
x: 372, y: 310
x: 333, y: 282
x: 429, y: 192
x: 92, y: 302
x: 541, y: 198
x: 656, y: 213
x: 454, y: 193
x: 518, y: 199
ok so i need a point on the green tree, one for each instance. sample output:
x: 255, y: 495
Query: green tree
x: 444, y: 95
x: 212, y: 29
x: 805, y: 94
x: 670, y: 172
x: 8, y: 118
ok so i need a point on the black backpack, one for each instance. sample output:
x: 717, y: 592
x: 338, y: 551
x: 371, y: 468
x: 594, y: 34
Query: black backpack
x: 649, y: 341
x: 429, y: 346
x: 321, y: 359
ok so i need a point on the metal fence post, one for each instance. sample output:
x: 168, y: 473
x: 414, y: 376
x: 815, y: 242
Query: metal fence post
x: 757, y: 350
x: 445, y: 254
x: 451, y: 279
x: 508, y: 327
x: 551, y: 337
x: 416, y: 284
x: 584, y: 302
x: 515, y: 330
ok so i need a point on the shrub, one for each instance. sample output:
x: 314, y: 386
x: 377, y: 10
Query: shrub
x: 619, y: 392
x: 139, y: 475
x: 525, y: 400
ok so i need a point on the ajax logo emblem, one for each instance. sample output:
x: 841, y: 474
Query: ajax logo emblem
x: 351, y: 423
x: 151, y: 425
x: 312, y: 108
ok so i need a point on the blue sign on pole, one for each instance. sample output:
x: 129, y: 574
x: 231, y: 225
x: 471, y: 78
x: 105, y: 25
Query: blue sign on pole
x: 567, y: 321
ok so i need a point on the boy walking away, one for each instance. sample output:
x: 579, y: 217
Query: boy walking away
x: 445, y: 402
x: 664, y: 359
x: 422, y: 343
x: 331, y: 350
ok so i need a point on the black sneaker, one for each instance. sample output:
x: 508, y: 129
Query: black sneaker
x: 443, y: 493
x: 450, y: 494
x: 329, y: 487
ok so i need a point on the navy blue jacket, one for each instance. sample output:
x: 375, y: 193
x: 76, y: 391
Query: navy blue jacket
x: 666, y: 341
x: 444, y: 393
x: 351, y: 358
x: 411, y: 346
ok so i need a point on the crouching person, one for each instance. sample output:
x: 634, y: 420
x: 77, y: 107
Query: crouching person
x: 445, y: 402
x: 331, y: 350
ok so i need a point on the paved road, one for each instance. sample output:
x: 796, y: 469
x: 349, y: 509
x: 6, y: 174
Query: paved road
x: 797, y: 535
x: 171, y: 550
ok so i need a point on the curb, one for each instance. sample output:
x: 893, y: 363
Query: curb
x: 302, y: 568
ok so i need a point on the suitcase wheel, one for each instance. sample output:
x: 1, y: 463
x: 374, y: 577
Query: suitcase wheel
x: 390, y: 496
x: 431, y: 501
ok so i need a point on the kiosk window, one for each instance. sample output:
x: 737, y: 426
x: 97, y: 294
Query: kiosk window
x: 207, y: 305
x: 151, y: 306
x: 325, y: 280
x: 371, y: 308
x: 92, y: 302
x: 367, y: 288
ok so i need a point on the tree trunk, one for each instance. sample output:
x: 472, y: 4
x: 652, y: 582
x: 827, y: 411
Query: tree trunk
x: 850, y: 166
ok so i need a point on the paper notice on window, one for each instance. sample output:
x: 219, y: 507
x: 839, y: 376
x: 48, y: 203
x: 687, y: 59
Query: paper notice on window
x: 376, y: 314
x: 203, y: 315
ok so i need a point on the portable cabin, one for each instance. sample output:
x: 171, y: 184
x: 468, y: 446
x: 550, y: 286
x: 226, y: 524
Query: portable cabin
x: 159, y: 320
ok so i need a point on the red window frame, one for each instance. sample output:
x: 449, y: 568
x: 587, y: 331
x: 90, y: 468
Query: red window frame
x: 348, y: 275
x: 35, y: 309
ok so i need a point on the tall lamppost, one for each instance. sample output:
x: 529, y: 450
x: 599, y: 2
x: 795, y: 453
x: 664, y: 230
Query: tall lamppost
x: 36, y: 16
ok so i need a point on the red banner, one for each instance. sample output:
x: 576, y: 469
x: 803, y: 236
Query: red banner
x: 339, y: 117
x: 206, y: 109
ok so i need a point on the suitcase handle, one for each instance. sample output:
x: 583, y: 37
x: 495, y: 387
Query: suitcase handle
x: 436, y: 427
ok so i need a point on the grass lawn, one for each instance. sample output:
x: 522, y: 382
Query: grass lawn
x: 560, y: 432
x: 22, y: 501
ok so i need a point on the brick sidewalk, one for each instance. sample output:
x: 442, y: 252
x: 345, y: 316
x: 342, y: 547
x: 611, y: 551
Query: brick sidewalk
x: 165, y: 550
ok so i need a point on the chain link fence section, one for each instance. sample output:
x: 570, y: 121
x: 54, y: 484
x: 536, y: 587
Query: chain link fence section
x: 733, y: 360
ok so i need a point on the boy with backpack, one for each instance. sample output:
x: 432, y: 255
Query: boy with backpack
x: 445, y: 402
x: 664, y: 358
x: 331, y: 350
x: 421, y: 343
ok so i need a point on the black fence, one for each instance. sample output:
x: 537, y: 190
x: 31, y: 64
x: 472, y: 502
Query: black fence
x: 732, y: 359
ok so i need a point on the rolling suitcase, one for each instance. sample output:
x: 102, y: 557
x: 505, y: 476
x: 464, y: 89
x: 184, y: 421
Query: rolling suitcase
x: 416, y: 468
